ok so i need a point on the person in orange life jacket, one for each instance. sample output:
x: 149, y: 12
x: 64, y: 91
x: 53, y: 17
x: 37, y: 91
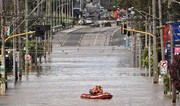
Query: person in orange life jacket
x: 96, y: 90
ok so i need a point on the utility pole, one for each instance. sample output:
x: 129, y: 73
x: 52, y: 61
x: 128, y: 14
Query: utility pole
x: 62, y: 9
x: 134, y: 50
x: 149, y: 47
x: 19, y: 46
x: 146, y: 37
x: 146, y: 27
x: 72, y: 10
x: 3, y: 88
x: 155, y: 67
x: 14, y: 46
x: 149, y: 54
x: 38, y: 14
x: 172, y: 47
x: 26, y: 30
x: 68, y: 6
x: 45, y: 35
x: 161, y: 30
x: 140, y: 52
x: 59, y: 4
x: 49, y: 23
x: 53, y: 14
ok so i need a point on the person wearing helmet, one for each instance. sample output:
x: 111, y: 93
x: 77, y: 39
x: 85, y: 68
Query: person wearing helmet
x: 96, y: 90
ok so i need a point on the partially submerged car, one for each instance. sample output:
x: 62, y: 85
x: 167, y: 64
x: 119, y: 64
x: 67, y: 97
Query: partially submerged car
x: 95, y: 24
x: 88, y: 21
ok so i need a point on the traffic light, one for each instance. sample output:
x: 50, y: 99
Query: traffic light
x: 125, y: 31
x: 40, y: 30
x: 8, y: 63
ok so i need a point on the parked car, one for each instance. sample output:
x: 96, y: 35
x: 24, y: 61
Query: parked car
x: 106, y: 24
x: 88, y: 21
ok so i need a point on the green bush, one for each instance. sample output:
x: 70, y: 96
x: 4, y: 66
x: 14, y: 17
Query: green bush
x: 145, y: 59
x: 166, y: 83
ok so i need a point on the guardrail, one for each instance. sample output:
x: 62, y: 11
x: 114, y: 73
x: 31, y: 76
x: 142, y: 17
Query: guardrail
x: 62, y: 26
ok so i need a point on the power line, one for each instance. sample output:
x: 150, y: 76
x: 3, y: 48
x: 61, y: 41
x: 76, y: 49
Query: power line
x: 25, y: 17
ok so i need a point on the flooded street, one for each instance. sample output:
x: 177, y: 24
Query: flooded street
x: 73, y: 70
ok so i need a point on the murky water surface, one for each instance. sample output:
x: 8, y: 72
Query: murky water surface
x: 71, y: 71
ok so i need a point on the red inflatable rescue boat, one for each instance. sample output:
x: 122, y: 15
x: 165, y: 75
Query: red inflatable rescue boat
x: 100, y: 96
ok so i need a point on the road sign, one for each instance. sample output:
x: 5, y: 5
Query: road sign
x: 176, y: 31
x: 176, y: 38
x: 176, y: 47
x: 163, y: 66
x: 7, y: 30
x: 168, y: 47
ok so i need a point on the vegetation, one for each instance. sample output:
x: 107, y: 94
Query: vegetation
x: 145, y: 59
x: 38, y: 17
x: 174, y: 69
x: 32, y: 49
x: 2, y: 80
x: 166, y: 83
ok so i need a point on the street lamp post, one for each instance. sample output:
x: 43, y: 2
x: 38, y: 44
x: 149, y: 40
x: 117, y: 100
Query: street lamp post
x: 155, y: 67
x: 149, y: 47
x: 154, y: 41
x: 144, y: 14
x: 161, y: 30
x: 26, y: 29
x: 172, y: 46
x: 72, y: 10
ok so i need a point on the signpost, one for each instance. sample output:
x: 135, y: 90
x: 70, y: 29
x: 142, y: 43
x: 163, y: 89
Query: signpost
x: 163, y: 67
x: 7, y: 31
x: 176, y: 31
x: 176, y: 38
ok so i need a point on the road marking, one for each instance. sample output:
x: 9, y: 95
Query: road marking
x: 96, y: 39
x: 67, y: 35
x: 79, y: 42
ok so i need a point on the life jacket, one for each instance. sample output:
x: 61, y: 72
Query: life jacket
x: 99, y: 91
x: 94, y: 90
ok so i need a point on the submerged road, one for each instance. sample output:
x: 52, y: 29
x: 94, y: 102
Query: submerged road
x: 75, y: 66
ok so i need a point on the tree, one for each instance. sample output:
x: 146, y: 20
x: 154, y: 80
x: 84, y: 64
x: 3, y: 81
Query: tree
x: 174, y: 69
x: 145, y: 59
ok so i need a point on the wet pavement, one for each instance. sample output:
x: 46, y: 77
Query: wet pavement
x: 73, y: 70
